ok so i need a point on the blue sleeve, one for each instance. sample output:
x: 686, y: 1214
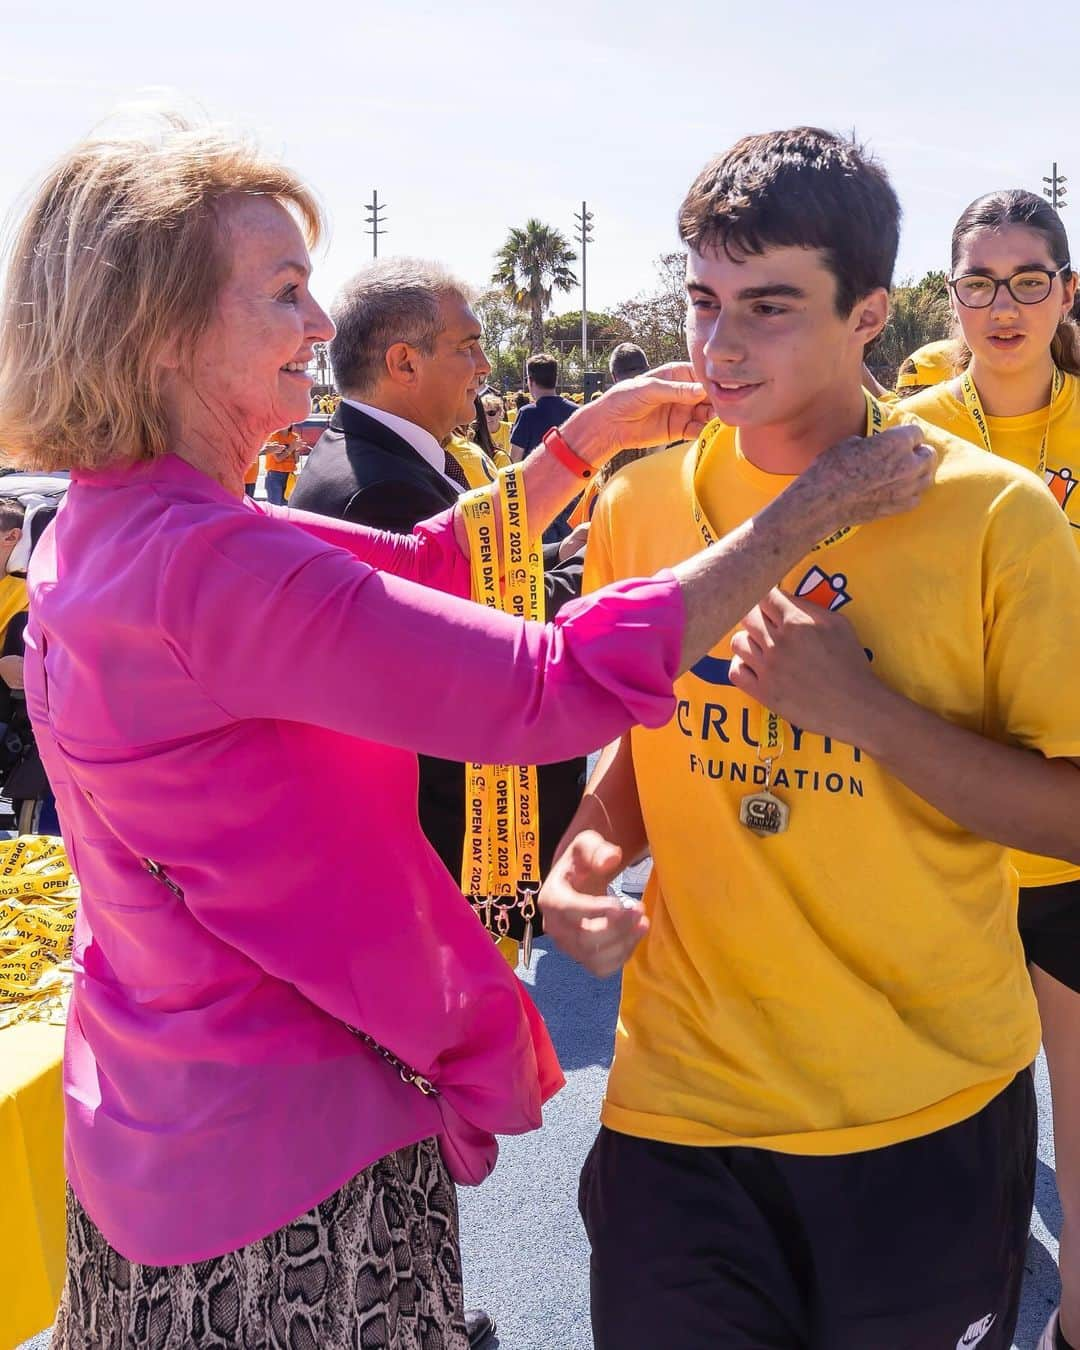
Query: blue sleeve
x: 524, y: 432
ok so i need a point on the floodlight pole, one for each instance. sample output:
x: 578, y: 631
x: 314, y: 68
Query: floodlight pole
x: 1055, y: 188
x: 583, y: 234
x: 375, y: 220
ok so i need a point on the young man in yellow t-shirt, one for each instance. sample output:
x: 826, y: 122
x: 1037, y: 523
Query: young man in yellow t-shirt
x: 819, y: 1126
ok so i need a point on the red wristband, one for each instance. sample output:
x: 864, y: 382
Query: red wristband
x: 555, y: 441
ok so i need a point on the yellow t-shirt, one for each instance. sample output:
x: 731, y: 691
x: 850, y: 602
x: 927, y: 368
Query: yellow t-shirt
x: 501, y: 437
x: 859, y: 979
x: 475, y: 465
x: 1018, y: 439
x: 14, y: 599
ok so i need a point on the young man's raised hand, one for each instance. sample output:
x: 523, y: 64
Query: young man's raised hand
x: 598, y: 930
x: 806, y: 664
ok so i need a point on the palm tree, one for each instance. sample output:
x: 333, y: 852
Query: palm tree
x: 530, y: 266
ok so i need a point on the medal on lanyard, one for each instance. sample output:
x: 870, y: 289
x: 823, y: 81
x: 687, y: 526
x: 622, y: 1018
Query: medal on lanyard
x: 973, y: 403
x: 763, y: 812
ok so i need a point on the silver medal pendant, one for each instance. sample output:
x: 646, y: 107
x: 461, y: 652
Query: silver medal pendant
x: 763, y: 814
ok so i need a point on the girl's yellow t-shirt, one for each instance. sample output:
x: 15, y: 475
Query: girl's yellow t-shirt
x: 859, y: 979
x: 475, y: 465
x: 501, y: 437
x: 1017, y: 439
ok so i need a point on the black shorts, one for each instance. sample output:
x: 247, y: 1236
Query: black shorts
x: 917, y: 1245
x: 1050, y: 930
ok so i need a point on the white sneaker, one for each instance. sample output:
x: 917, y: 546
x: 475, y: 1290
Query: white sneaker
x: 1048, y: 1339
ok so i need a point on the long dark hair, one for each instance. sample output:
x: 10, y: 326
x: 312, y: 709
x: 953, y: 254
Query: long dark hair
x: 481, y: 431
x: 1013, y: 206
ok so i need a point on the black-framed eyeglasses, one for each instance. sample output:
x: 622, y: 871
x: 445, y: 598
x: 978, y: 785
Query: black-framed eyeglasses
x: 1029, y: 287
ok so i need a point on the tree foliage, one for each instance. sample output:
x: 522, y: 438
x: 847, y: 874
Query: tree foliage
x: 919, y: 313
x: 656, y: 319
x: 504, y: 337
x: 562, y: 331
x: 531, y: 266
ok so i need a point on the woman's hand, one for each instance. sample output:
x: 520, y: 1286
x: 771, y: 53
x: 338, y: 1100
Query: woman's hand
x: 598, y: 930
x: 866, y: 477
x: 666, y: 404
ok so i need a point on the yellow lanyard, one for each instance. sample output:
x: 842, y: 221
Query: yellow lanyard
x: 38, y: 899
x: 771, y: 736
x: 875, y: 420
x: 973, y: 403
x: 500, y: 867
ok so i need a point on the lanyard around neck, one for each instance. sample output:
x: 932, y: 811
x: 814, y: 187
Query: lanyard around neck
x: 875, y: 421
x: 762, y: 812
x: 973, y: 403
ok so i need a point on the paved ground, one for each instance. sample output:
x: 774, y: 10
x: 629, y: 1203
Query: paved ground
x: 524, y: 1251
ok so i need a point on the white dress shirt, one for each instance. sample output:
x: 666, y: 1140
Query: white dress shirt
x: 423, y: 442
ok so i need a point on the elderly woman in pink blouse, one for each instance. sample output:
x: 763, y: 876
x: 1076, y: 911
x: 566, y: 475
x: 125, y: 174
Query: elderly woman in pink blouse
x: 288, y: 1032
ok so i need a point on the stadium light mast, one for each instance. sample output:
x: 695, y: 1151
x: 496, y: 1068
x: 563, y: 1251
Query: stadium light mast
x: 1055, y: 188
x: 375, y: 220
x: 583, y: 234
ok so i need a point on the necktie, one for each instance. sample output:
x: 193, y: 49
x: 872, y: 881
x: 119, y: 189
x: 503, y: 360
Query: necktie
x: 455, y: 472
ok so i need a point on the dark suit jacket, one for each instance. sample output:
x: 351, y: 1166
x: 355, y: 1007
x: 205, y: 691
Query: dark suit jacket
x: 362, y: 471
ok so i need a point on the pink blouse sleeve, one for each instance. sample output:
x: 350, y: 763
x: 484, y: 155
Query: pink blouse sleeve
x: 273, y: 623
x: 430, y: 555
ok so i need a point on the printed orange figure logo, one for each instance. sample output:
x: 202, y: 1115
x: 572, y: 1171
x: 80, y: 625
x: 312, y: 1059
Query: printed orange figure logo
x: 823, y: 589
x: 1061, y: 483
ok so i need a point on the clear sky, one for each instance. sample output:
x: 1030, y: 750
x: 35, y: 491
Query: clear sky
x: 468, y: 119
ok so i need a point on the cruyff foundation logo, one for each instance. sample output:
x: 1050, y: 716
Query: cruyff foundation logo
x: 1061, y: 483
x: 828, y: 590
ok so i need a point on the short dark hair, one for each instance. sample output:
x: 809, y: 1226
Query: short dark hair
x: 543, y: 369
x: 626, y: 361
x: 803, y: 188
x: 12, y: 514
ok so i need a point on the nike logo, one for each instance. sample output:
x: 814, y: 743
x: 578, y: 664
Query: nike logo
x: 976, y: 1332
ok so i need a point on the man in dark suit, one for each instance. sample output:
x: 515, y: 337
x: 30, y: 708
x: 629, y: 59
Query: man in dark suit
x: 408, y: 360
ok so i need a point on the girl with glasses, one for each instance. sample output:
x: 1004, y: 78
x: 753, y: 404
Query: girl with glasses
x: 1017, y: 395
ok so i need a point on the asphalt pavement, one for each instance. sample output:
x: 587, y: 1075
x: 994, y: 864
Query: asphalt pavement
x: 524, y: 1250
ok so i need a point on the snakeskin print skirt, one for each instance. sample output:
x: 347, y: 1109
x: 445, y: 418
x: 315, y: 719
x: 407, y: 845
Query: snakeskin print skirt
x: 376, y: 1266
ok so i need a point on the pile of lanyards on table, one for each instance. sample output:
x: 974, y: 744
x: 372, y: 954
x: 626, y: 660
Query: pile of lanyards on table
x: 38, y: 899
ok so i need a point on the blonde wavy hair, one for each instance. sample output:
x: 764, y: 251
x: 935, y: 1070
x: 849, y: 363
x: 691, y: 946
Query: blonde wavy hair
x: 120, y: 256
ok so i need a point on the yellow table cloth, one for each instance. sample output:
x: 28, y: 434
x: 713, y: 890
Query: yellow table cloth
x: 32, y: 1193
